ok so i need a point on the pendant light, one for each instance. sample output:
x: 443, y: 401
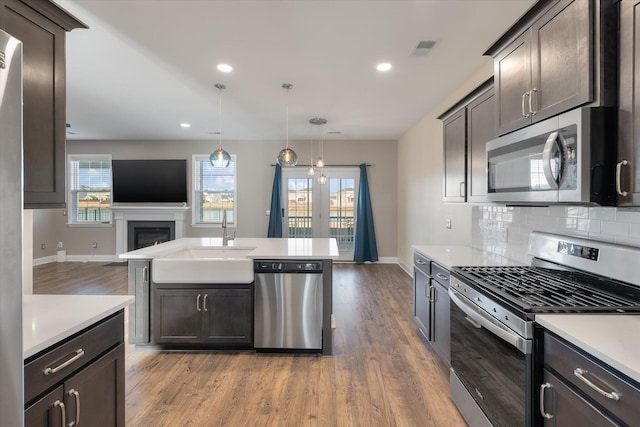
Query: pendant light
x: 220, y: 158
x: 312, y: 169
x: 320, y: 162
x: 286, y: 156
x: 316, y: 121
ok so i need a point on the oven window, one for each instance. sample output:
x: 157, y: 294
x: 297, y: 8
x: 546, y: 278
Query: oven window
x: 493, y: 371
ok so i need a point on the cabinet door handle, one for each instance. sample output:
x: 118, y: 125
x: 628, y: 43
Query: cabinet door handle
x: 531, y: 110
x: 145, y: 274
x: 434, y: 292
x: 63, y: 415
x: 543, y: 389
x: 78, y: 354
x: 74, y: 393
x: 431, y: 288
x: 524, y: 95
x: 426, y: 286
x: 204, y: 304
x: 442, y: 276
x: 198, y: 302
x: 462, y: 189
x: 618, y: 173
x: 580, y: 373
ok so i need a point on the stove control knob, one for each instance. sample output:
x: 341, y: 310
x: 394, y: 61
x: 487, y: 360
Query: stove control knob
x: 506, y: 317
x: 478, y: 299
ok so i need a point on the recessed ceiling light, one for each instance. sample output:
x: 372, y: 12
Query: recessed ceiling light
x: 225, y: 68
x: 185, y: 125
x: 385, y: 66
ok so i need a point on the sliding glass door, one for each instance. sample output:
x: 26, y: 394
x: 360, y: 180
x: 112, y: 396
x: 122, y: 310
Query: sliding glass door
x: 320, y: 210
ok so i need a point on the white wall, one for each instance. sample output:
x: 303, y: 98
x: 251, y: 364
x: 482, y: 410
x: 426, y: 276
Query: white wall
x: 254, y: 181
x: 492, y: 227
x: 421, y: 211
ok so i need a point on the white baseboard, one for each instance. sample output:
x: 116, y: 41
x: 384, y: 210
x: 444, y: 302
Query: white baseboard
x: 78, y: 258
x: 45, y: 260
x: 406, y: 269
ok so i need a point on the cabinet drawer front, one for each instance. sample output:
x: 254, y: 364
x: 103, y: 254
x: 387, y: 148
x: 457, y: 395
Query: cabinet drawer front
x: 71, y: 355
x: 440, y: 274
x: 422, y: 262
x: 563, y: 359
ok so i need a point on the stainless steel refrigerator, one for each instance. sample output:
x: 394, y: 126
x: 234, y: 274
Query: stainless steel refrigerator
x: 11, y: 362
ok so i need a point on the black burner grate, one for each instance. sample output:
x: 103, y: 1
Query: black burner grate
x: 536, y: 289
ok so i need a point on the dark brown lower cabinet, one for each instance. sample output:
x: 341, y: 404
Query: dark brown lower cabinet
x: 217, y: 315
x: 87, y: 390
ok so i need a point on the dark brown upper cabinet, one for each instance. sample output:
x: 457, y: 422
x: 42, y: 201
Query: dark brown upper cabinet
x: 467, y: 127
x: 560, y: 55
x: 628, y: 172
x: 41, y: 26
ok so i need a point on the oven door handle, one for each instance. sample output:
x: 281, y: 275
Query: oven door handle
x: 490, y: 324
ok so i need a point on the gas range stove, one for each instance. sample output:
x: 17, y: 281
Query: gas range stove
x: 567, y: 275
x: 546, y: 290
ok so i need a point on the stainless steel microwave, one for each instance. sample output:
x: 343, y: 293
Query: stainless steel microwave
x: 569, y: 158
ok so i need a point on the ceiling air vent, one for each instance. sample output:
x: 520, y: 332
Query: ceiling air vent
x: 423, y: 47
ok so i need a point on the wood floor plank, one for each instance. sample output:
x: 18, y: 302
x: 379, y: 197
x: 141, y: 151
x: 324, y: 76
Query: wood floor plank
x: 381, y: 374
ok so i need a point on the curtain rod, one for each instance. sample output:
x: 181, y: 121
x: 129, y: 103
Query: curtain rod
x: 329, y: 166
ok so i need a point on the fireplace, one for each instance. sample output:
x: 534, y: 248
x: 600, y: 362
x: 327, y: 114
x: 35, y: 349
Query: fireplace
x: 123, y: 215
x: 141, y: 234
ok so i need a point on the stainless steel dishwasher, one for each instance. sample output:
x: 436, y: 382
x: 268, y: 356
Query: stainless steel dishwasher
x: 288, y: 305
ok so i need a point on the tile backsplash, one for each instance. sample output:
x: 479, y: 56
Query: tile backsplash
x: 504, y: 230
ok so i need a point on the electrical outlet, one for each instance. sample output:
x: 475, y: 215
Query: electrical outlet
x: 448, y: 223
x: 64, y: 213
x: 43, y: 246
x: 94, y: 245
x: 59, y: 245
x: 268, y: 212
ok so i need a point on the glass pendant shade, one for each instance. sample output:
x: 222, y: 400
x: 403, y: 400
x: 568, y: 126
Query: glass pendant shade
x: 320, y: 163
x: 322, y: 179
x: 220, y: 158
x: 287, y: 157
x: 311, y: 171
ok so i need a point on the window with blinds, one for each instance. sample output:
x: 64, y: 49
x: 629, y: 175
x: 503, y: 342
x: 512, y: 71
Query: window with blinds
x: 89, y: 189
x: 214, y: 192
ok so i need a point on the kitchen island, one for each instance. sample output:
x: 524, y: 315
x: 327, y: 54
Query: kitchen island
x: 197, y: 293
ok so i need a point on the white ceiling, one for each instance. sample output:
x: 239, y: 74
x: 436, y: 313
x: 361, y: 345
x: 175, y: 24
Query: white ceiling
x: 145, y: 66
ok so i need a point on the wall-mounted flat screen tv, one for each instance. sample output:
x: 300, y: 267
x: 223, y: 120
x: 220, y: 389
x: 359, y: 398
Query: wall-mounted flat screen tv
x: 149, y: 181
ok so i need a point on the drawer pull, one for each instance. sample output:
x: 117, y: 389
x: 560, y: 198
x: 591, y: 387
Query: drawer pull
x: 63, y: 415
x: 420, y: 261
x: 76, y: 396
x: 543, y: 389
x: 78, y: 354
x: 442, y: 276
x: 580, y: 373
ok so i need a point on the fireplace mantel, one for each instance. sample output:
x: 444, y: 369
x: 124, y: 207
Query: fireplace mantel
x: 123, y: 214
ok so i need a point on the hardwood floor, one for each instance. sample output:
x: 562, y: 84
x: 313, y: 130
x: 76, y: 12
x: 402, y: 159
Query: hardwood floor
x: 381, y: 374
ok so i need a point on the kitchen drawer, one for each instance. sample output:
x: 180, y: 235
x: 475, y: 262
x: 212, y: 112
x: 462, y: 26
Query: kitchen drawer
x: 422, y: 262
x: 92, y: 342
x: 440, y: 274
x: 565, y: 360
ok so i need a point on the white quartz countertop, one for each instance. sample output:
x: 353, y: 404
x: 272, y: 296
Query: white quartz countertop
x: 48, y: 319
x: 451, y: 256
x: 612, y: 338
x: 262, y: 248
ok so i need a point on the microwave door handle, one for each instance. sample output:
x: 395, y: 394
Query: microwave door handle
x: 486, y: 322
x: 552, y: 141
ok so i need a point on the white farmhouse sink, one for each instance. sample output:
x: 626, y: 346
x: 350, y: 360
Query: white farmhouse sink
x: 226, y: 264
